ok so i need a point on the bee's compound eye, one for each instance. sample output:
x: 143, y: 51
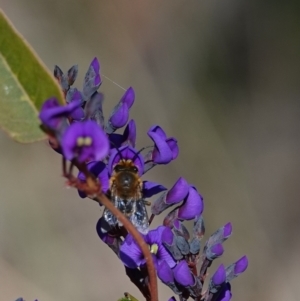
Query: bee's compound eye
x: 134, y: 169
x: 118, y: 168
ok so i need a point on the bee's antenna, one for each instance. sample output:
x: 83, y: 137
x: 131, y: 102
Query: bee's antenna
x: 118, y: 150
x: 142, y: 149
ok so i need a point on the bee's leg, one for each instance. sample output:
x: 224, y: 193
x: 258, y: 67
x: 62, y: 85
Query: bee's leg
x: 147, y: 203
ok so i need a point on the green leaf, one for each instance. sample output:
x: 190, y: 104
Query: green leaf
x: 25, y: 83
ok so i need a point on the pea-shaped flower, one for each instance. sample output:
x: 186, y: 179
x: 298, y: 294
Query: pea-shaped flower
x: 85, y: 141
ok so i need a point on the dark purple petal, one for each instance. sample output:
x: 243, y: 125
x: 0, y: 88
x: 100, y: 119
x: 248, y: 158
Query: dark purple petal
x: 128, y: 153
x: 172, y: 142
x: 182, y: 274
x: 164, y: 255
x: 131, y: 255
x: 217, y: 249
x: 165, y: 273
x: 152, y: 188
x: 159, y: 131
x: 178, y: 192
x: 53, y: 115
x: 77, y: 114
x: 227, y: 230
x: 241, y: 265
x: 116, y: 140
x: 223, y: 294
x: 130, y: 133
x: 167, y: 236
x: 172, y: 299
x: 99, y: 170
x: 193, y: 205
x: 162, y: 153
x: 154, y: 236
x: 119, y: 116
x: 219, y: 276
x: 128, y: 97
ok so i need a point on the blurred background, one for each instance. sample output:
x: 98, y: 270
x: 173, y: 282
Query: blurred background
x: 220, y: 76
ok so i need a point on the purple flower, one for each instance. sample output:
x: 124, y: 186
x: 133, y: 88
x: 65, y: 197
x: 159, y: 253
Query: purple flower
x: 219, y: 276
x: 99, y: 170
x: 152, y: 188
x: 175, y: 195
x: 178, y: 192
x: 92, y: 80
x: 128, y: 137
x: 130, y: 133
x: 214, y: 252
x: 54, y: 116
x: 165, y: 149
x: 192, y: 206
x: 236, y: 268
x: 165, y: 273
x: 75, y: 95
x: 223, y: 294
x: 85, y: 141
x: 120, y: 114
x: 126, y: 153
x: 132, y: 256
x: 241, y: 265
x: 183, y: 274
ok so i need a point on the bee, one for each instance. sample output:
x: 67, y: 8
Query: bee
x: 126, y: 194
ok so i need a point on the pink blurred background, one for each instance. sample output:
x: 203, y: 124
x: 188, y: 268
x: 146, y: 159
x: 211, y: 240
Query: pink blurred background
x: 220, y: 76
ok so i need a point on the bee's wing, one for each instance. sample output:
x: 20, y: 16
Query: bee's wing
x: 139, y: 217
x: 108, y: 216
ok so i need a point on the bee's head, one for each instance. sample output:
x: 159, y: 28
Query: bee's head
x: 126, y: 178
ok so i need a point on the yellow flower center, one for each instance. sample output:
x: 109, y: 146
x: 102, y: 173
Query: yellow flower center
x: 153, y: 248
x: 84, y: 141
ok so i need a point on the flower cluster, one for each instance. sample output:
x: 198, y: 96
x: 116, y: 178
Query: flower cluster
x: 79, y: 131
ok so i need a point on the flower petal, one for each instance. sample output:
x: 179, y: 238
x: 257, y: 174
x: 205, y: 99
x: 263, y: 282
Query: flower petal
x: 219, y: 276
x: 178, y: 192
x: 119, y: 116
x: 128, y: 97
x: 128, y: 153
x: 172, y: 142
x: 152, y: 188
x: 130, y: 133
x: 193, y: 205
x: 131, y: 255
x: 182, y: 274
x: 165, y: 273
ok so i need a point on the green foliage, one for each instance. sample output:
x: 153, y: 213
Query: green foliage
x: 25, y: 84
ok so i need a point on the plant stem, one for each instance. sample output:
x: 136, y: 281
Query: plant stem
x: 138, y: 238
x: 101, y: 198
